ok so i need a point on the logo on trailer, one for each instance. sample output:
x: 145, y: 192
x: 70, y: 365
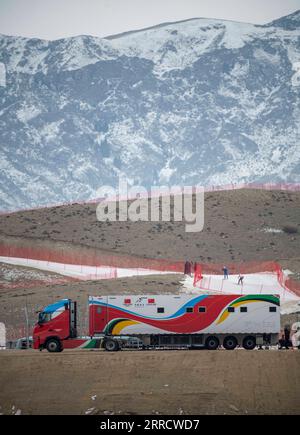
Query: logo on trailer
x: 140, y: 302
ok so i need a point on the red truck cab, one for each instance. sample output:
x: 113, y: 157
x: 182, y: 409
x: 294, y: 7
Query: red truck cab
x: 56, y: 323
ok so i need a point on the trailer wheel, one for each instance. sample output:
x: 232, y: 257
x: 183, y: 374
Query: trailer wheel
x: 249, y: 342
x: 111, y: 345
x: 230, y: 342
x: 53, y: 345
x: 212, y: 343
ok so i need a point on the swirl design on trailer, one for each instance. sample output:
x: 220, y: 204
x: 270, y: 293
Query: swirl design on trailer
x: 181, y: 322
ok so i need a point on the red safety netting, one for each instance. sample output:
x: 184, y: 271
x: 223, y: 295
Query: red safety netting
x: 88, y: 257
x: 291, y: 187
x: 293, y: 286
x: 242, y: 267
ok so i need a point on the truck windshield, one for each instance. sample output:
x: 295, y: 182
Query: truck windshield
x: 44, y: 317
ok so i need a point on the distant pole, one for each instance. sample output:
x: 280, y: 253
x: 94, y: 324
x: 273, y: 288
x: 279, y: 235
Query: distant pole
x: 27, y: 324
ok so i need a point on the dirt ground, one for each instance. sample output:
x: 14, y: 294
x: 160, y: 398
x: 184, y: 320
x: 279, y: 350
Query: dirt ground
x: 150, y: 382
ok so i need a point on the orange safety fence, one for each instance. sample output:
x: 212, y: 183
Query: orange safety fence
x: 242, y: 267
x: 290, y: 187
x: 88, y: 257
x: 293, y: 286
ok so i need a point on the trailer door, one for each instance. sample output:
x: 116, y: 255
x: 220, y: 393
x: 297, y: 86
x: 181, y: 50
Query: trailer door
x: 98, y: 314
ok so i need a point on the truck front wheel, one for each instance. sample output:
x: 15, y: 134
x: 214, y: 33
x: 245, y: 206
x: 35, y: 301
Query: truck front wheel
x: 53, y: 345
x: 111, y: 345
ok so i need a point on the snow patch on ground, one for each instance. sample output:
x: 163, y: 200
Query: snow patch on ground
x: 290, y: 307
x: 89, y: 411
x: 81, y: 272
x: 11, y: 274
x: 272, y: 230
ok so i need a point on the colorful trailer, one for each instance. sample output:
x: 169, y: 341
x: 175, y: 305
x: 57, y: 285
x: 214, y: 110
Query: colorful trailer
x: 163, y: 321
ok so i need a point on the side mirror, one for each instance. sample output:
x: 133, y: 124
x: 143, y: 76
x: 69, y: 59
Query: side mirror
x: 40, y: 319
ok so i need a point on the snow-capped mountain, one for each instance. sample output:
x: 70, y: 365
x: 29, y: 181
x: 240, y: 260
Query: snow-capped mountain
x: 199, y: 101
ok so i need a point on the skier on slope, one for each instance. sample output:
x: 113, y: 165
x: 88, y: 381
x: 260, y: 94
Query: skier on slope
x: 225, y: 271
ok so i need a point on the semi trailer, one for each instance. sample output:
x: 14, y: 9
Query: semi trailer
x: 162, y: 321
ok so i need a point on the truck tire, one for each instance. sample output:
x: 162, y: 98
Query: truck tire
x: 212, y: 343
x: 230, y: 342
x: 111, y: 345
x: 53, y: 345
x: 249, y: 342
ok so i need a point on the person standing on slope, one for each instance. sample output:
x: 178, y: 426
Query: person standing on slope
x: 225, y: 271
x: 240, y: 279
x: 187, y: 268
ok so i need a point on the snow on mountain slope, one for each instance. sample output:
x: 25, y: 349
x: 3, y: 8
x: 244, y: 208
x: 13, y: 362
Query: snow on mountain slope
x: 199, y: 101
x: 30, y: 56
x: 179, y: 45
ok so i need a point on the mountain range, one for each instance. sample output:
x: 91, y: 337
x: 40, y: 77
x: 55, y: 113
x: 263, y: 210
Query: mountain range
x: 201, y: 101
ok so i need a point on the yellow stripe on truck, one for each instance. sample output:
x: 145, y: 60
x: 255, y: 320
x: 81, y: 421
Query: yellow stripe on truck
x: 226, y: 313
x: 121, y: 325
